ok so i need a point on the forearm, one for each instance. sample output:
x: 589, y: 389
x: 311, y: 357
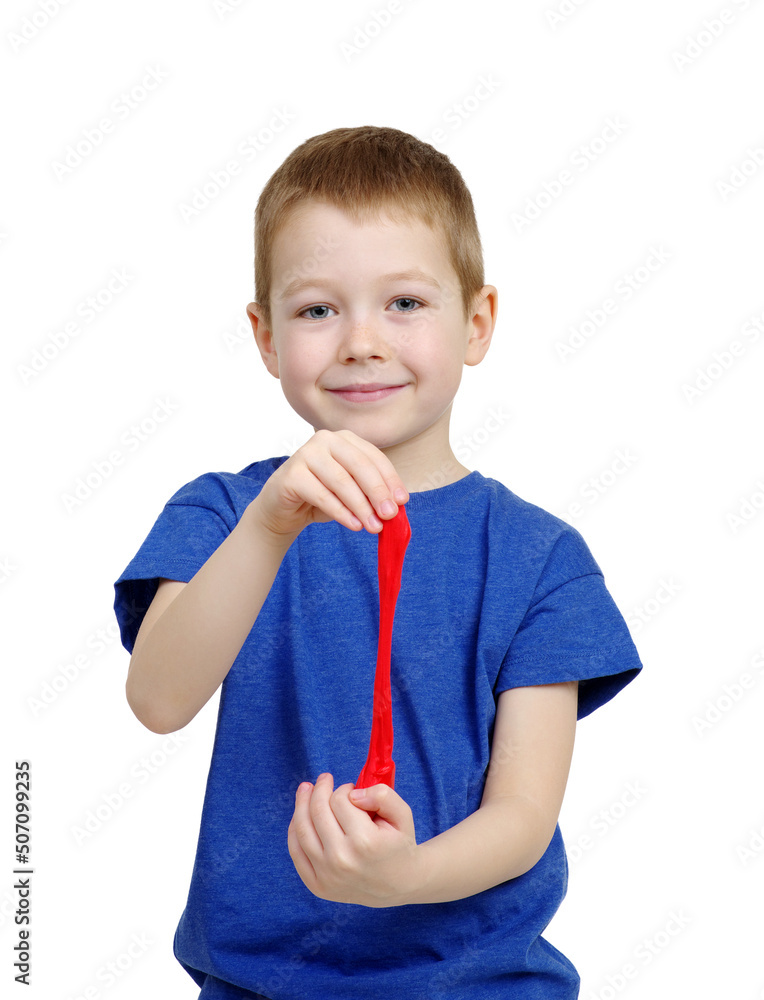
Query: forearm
x: 180, y: 663
x: 503, y: 839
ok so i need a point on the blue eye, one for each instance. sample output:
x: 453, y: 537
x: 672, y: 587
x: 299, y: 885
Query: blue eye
x: 310, y: 310
x: 413, y: 302
x: 411, y: 306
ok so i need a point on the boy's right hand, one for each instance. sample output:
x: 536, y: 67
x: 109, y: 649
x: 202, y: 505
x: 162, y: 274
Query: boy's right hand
x: 335, y: 476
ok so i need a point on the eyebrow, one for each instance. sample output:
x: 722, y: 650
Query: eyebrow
x: 412, y: 275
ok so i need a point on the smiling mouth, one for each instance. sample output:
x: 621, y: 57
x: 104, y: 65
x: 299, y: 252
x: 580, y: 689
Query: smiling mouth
x: 366, y: 394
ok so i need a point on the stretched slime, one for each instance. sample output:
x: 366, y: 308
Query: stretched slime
x: 391, y: 548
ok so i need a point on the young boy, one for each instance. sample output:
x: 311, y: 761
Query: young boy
x: 370, y: 299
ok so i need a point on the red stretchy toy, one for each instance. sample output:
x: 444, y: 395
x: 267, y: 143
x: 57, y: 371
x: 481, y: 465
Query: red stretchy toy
x: 391, y: 548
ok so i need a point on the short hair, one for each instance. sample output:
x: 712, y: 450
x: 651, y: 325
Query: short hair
x: 364, y: 171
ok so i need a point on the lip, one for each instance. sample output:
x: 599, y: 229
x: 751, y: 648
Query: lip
x: 367, y: 393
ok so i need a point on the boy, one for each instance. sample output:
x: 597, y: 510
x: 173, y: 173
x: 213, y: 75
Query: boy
x: 370, y: 299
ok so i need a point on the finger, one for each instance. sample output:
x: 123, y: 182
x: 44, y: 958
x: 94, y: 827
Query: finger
x: 323, y: 819
x: 385, y: 802
x: 359, y: 475
x: 353, y: 821
x: 314, y: 488
x: 303, y: 831
x: 302, y: 863
x: 374, y: 472
x: 337, y: 485
x: 382, y: 464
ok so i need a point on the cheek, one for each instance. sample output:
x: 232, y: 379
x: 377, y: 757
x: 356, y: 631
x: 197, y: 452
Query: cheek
x: 301, y: 363
x: 435, y: 362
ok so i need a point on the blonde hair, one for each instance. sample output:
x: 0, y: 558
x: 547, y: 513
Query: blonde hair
x: 364, y: 171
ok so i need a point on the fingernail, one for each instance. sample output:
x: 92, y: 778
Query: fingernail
x: 388, y: 507
x: 357, y: 795
x: 401, y: 495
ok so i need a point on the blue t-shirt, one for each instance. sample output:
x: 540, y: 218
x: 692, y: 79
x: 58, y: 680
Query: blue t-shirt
x: 495, y: 593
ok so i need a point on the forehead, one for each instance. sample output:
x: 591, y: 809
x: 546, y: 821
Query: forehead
x: 309, y: 216
x: 319, y: 232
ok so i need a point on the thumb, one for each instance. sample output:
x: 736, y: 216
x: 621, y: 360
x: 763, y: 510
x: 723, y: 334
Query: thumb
x: 383, y: 800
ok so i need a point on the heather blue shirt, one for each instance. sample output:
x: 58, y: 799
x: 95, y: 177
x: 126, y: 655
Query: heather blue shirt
x: 496, y: 593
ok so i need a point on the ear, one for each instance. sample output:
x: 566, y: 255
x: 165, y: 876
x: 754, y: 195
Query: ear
x: 263, y: 339
x: 482, y: 324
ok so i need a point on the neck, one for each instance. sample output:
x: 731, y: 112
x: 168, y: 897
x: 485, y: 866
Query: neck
x: 427, y: 461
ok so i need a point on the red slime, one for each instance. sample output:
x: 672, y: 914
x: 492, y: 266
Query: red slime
x: 391, y: 548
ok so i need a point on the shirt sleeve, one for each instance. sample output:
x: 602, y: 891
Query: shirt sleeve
x: 572, y: 630
x: 189, y: 529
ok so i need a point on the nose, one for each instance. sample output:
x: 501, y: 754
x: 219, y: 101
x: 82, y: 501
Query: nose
x: 363, y: 340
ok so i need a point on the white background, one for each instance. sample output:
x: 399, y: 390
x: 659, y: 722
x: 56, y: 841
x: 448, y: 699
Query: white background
x: 664, y: 798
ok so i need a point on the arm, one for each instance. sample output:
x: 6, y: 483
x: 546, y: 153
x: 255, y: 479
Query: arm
x: 530, y: 761
x: 342, y: 854
x: 193, y: 632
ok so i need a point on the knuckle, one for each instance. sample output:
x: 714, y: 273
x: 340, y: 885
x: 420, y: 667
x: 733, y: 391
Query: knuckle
x: 380, y: 490
x: 325, y: 498
x: 344, y: 864
x: 343, y: 476
x: 363, y: 845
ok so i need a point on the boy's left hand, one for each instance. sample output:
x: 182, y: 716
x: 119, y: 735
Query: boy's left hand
x: 343, y: 855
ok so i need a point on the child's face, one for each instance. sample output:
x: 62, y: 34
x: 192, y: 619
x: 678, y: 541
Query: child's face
x: 346, y: 314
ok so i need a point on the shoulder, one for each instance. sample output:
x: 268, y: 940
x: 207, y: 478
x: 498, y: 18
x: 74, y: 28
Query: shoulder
x: 539, y: 536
